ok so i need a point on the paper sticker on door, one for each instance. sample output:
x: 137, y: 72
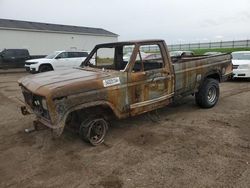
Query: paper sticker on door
x: 111, y: 82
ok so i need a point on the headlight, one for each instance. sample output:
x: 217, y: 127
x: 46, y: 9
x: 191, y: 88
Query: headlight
x: 30, y: 63
x: 44, y: 104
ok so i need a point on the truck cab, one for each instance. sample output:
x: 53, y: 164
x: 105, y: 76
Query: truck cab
x: 155, y: 72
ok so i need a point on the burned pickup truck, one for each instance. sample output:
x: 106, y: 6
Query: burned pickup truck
x: 111, y: 84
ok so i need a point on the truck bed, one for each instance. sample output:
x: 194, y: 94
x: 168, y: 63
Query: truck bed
x: 190, y: 71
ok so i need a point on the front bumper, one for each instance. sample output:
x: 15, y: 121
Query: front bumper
x: 241, y: 73
x: 26, y: 111
x: 33, y: 104
x: 30, y: 69
x: 41, y: 123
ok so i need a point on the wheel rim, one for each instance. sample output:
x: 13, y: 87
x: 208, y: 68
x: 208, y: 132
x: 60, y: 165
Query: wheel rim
x: 97, y: 131
x: 212, y: 94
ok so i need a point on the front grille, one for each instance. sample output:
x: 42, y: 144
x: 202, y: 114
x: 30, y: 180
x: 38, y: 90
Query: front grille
x: 235, y: 66
x: 35, y: 103
x: 241, y: 74
x: 28, y: 97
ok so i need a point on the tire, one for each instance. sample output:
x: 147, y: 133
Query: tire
x: 208, y: 94
x: 45, y: 68
x: 93, y: 130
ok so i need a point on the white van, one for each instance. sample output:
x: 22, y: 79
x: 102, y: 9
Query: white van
x: 56, y: 61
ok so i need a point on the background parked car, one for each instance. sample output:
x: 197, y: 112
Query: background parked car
x: 13, y: 58
x: 56, y: 61
x: 241, y: 64
x: 153, y: 56
x: 181, y: 53
x: 212, y: 53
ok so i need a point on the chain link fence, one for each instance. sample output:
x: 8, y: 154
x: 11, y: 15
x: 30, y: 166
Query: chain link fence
x: 210, y: 45
x: 193, y: 46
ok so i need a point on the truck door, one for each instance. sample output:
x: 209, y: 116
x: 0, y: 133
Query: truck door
x: 150, y: 80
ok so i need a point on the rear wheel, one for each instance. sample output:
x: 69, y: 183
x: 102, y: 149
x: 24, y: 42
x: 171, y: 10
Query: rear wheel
x: 93, y: 130
x: 208, y: 94
x: 45, y: 68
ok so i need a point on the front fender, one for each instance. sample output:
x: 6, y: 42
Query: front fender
x: 117, y: 113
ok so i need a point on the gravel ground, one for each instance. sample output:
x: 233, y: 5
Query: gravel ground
x: 177, y: 146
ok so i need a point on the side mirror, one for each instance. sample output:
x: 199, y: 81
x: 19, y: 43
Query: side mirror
x: 58, y: 57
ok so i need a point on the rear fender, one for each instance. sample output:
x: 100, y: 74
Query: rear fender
x: 215, y: 74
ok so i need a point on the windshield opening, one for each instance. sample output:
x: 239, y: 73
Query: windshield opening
x: 241, y: 56
x: 111, y: 58
x: 52, y: 56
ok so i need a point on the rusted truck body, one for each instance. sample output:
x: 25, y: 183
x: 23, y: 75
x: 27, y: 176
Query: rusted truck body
x: 106, y: 85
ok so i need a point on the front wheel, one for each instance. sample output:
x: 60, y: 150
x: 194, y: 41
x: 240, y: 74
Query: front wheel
x: 208, y: 94
x: 93, y: 130
x: 45, y: 68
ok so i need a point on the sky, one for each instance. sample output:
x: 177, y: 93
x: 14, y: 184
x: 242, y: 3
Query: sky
x: 176, y: 21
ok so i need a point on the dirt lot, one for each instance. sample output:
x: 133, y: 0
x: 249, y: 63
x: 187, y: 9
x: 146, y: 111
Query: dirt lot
x: 179, y: 146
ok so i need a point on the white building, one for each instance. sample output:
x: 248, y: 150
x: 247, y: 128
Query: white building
x: 44, y: 38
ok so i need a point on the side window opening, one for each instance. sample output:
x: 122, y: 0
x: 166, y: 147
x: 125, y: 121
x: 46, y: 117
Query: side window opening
x: 146, y: 60
x: 127, y: 52
x: 72, y: 54
x: 18, y: 53
x: 104, y: 58
x: 83, y: 54
x: 9, y: 53
x: 113, y: 58
x: 77, y: 54
x: 62, y: 55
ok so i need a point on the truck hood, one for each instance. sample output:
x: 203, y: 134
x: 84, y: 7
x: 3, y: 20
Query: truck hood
x: 241, y: 62
x: 63, y: 82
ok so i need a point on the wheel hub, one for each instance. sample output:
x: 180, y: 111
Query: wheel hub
x: 212, y: 94
x: 97, y: 131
